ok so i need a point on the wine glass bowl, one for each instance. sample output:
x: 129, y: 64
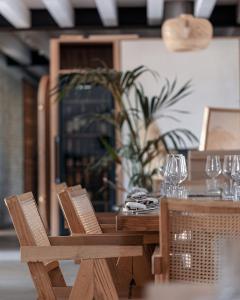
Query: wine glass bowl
x: 213, y: 166
x: 175, y: 172
x: 213, y: 170
x: 227, y: 166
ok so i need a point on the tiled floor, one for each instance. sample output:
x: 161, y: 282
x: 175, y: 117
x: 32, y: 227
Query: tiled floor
x: 15, y: 280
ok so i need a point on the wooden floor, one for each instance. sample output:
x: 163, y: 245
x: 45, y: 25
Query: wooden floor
x: 15, y: 281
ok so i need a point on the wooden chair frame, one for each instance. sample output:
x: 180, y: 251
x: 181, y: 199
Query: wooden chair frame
x: 76, y: 226
x: 43, y: 260
x: 160, y: 258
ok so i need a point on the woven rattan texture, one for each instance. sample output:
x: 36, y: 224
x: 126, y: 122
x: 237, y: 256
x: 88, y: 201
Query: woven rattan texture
x: 102, y: 274
x: 196, y: 243
x: 34, y: 222
x: 86, y: 213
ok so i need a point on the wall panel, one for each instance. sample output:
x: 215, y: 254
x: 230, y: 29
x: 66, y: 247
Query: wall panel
x: 214, y: 73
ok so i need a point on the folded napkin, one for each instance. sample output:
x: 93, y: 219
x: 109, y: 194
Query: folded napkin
x: 139, y: 199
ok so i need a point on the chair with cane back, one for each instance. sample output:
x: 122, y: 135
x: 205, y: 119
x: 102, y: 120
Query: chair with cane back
x: 42, y: 254
x: 192, y: 235
x: 81, y: 219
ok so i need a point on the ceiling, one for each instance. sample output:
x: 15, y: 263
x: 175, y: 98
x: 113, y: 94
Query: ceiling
x: 27, y: 25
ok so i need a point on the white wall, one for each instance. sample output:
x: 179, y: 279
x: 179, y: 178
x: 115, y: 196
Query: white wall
x: 214, y: 73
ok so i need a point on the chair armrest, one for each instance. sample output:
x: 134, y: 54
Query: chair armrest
x: 156, y: 262
x: 47, y: 253
x: 119, y: 239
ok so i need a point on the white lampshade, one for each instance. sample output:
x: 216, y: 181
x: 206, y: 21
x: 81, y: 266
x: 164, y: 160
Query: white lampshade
x: 187, y: 33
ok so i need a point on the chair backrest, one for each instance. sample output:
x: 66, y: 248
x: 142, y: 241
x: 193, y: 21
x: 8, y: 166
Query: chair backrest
x: 80, y: 216
x: 220, y: 129
x: 192, y: 233
x: 27, y: 221
x: 197, y: 161
x: 31, y: 232
x: 78, y: 211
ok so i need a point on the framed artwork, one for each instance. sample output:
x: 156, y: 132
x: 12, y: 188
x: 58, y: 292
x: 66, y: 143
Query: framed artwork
x: 221, y: 129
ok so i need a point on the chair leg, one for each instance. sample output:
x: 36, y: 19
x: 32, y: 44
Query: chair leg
x: 83, y: 285
x: 57, y: 278
x: 104, y: 288
x: 42, y: 282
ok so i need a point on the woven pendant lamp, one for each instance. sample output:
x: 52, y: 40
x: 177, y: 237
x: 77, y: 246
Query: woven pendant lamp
x: 187, y: 33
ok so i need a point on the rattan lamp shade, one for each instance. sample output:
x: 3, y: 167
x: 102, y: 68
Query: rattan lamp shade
x: 186, y: 33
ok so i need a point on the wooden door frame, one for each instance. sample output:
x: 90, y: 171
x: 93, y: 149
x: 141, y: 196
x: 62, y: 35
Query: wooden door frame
x: 54, y: 105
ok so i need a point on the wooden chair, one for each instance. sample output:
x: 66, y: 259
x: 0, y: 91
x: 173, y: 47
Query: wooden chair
x: 42, y: 254
x: 197, y: 162
x: 192, y: 233
x: 106, y: 220
x: 220, y: 129
x: 81, y: 219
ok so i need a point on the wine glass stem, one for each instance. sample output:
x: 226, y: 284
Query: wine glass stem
x: 230, y: 185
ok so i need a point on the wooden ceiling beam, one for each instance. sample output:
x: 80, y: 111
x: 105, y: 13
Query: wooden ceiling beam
x: 155, y: 12
x: 61, y: 11
x: 16, y: 13
x: 107, y: 10
x: 204, y: 8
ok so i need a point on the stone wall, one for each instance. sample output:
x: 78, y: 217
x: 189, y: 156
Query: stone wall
x: 11, y: 138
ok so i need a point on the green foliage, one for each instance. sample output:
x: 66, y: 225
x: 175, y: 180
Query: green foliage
x: 135, y: 112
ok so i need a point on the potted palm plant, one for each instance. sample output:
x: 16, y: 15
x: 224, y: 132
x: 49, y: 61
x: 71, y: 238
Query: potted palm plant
x: 135, y: 119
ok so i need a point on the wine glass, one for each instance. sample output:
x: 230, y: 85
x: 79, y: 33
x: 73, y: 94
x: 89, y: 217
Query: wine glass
x: 183, y: 169
x: 175, y: 171
x: 235, y: 173
x: 213, y: 168
x: 226, y: 171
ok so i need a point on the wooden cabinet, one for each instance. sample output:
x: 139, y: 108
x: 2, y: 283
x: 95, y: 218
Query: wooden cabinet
x: 69, y: 53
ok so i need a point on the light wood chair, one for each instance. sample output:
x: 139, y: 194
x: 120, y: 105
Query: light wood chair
x: 197, y: 161
x: 106, y: 220
x: 192, y: 234
x: 220, y: 129
x: 81, y: 219
x: 42, y: 254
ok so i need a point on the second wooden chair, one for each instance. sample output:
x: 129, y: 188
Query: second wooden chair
x: 81, y: 219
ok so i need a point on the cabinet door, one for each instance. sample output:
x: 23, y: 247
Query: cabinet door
x: 82, y: 143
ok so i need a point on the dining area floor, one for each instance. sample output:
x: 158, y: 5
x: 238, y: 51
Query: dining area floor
x: 15, y: 279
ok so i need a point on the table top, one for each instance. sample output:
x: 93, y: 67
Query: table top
x: 149, y: 222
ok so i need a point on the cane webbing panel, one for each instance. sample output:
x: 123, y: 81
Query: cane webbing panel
x: 86, y: 213
x: 195, y: 244
x: 34, y: 221
x: 104, y: 281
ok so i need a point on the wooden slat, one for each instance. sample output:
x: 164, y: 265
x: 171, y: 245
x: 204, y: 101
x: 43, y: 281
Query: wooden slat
x: 98, y: 239
x: 46, y: 253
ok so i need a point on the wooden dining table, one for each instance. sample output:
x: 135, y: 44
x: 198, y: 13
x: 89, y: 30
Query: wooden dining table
x: 148, y: 225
